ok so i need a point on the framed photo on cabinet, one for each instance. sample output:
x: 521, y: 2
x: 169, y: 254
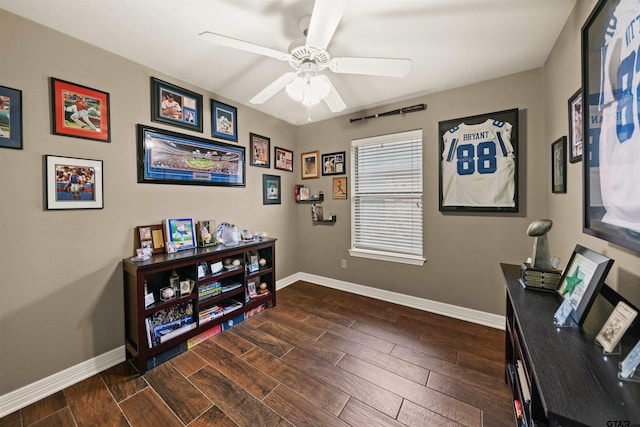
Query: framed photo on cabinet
x: 559, y: 166
x: 73, y: 183
x: 180, y: 232
x: 151, y: 236
x: 575, y: 127
x: 224, y: 121
x: 175, y: 106
x: 10, y: 118
x: 260, y: 148
x: 310, y: 164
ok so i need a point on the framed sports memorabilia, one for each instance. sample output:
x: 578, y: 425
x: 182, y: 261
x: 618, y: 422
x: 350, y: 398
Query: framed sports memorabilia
x: 271, y: 191
x: 73, y: 183
x: 151, y: 236
x: 479, y: 163
x: 180, y: 232
x: 282, y: 159
x: 79, y: 111
x: 559, y: 165
x: 175, y: 106
x: 575, y: 127
x: 224, y: 121
x: 333, y: 164
x: 310, y: 168
x: 260, y: 148
x: 611, y: 124
x: 340, y: 188
x: 10, y: 118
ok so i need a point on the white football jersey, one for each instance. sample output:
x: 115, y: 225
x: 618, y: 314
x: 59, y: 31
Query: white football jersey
x: 478, y: 165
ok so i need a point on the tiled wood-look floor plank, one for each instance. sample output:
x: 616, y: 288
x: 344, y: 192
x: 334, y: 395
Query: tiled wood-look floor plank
x: 186, y: 401
x: 476, y: 362
x: 437, y: 402
x: 13, y: 419
x: 214, y: 417
x: 442, y: 338
x: 369, y: 393
x: 280, y: 317
x: 147, y: 409
x: 61, y: 418
x: 357, y: 413
x: 357, y: 311
x: 414, y: 415
x: 232, y: 342
x: 123, y: 381
x: 299, y: 411
x: 318, y: 392
x: 491, y: 420
x: 188, y: 362
x: 242, y: 373
x: 42, y: 408
x: 244, y: 409
x: 266, y: 341
x: 92, y: 404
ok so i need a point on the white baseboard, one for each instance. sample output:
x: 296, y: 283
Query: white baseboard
x: 40, y: 389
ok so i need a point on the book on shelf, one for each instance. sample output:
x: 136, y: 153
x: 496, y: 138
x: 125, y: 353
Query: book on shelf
x: 230, y: 287
x: 524, y: 384
x: 209, y: 290
x: 230, y: 305
x: 209, y: 314
x: 167, y: 335
x: 304, y: 193
x: 316, y: 212
x: 166, y: 321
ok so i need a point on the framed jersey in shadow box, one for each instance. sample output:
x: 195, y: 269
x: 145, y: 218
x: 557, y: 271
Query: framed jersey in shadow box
x: 479, y: 163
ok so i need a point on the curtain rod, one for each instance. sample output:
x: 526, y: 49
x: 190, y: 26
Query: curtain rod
x: 401, y: 111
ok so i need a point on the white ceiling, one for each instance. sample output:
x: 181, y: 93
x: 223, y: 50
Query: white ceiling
x: 450, y: 42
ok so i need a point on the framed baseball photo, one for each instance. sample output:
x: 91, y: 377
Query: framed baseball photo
x: 224, y: 121
x: 73, y: 183
x: 479, y: 163
x: 575, y: 127
x: 271, y: 191
x: 10, y: 118
x: 175, y: 106
x: 559, y: 165
x: 340, y: 188
x: 333, y: 164
x: 260, y: 147
x: 282, y: 159
x: 180, y: 232
x: 79, y: 111
x: 310, y: 164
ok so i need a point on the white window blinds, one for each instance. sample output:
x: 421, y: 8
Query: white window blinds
x: 387, y: 196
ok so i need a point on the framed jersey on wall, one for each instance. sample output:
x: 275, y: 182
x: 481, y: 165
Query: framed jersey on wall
x: 479, y: 162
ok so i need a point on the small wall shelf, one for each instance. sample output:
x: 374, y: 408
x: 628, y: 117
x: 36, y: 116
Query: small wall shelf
x: 325, y: 221
x: 314, y: 198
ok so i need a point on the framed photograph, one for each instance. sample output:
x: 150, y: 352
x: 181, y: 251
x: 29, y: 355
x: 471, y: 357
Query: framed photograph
x: 73, y: 183
x: 611, y: 129
x: 575, y: 127
x: 224, y: 121
x: 479, y: 163
x: 333, y: 164
x: 166, y: 157
x: 79, y: 111
x: 180, y: 232
x: 582, y: 279
x: 615, y: 327
x: 559, y: 165
x: 173, y: 105
x: 152, y: 236
x: 10, y: 118
x: 340, y: 188
x: 310, y: 167
x: 271, y: 190
x: 283, y: 159
x: 260, y: 147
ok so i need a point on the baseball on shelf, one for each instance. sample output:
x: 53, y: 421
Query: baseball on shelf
x: 262, y: 262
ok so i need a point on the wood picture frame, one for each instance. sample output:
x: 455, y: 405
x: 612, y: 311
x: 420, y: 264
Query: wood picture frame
x: 333, y: 164
x: 260, y: 149
x: 175, y: 106
x: 282, y: 159
x: 340, y: 188
x: 575, y: 127
x: 151, y: 236
x: 611, y: 129
x: 73, y: 183
x: 10, y: 118
x: 476, y: 152
x: 271, y: 190
x: 310, y: 162
x: 559, y: 165
x: 180, y: 232
x: 79, y: 111
x: 224, y: 121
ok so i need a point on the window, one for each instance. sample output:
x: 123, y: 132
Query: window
x: 386, y: 203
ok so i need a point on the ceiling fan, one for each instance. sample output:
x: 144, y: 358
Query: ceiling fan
x: 309, y: 56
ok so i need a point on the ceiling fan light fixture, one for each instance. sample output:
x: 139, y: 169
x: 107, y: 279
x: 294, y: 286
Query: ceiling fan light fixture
x: 309, y: 90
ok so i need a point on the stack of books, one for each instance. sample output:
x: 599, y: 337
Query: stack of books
x: 168, y: 323
x: 209, y: 314
x: 209, y: 290
x: 536, y: 278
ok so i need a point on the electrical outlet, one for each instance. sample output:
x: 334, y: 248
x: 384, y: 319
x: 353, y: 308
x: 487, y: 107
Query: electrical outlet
x: 343, y: 263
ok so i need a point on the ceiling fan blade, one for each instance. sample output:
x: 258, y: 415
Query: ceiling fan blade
x: 325, y: 18
x: 273, y: 88
x: 221, y: 40
x: 388, y: 67
x: 333, y: 99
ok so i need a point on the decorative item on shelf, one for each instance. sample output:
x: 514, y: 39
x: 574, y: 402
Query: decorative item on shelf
x: 181, y: 232
x: 539, y: 274
x: 304, y: 193
x: 629, y: 365
x: 251, y: 290
x: 186, y: 286
x: 142, y: 254
x: 204, y: 230
x: 263, y: 289
x: 167, y: 294
x: 174, y: 281
x: 216, y: 267
x: 615, y: 327
x: 253, y: 264
x: 236, y: 263
x: 149, y: 299
x: 152, y: 235
x: 316, y: 212
x: 262, y: 262
x: 170, y: 247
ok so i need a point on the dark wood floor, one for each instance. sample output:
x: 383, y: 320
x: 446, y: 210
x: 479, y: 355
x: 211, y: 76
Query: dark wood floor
x: 320, y: 358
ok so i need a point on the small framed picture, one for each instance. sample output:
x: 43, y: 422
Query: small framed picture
x: 10, y: 118
x: 559, y: 165
x: 180, y: 232
x: 73, y: 183
x: 310, y: 167
x: 224, y: 121
x: 575, y: 127
x: 283, y: 159
x: 271, y: 192
x: 80, y: 111
x: 185, y: 288
x: 260, y: 147
x: 340, y: 188
x: 152, y: 235
x: 615, y: 327
x: 333, y: 164
x: 251, y: 289
x: 173, y: 105
x: 630, y: 363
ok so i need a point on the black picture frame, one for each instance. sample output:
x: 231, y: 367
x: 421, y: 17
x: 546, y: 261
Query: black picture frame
x: 575, y: 126
x: 260, y: 149
x: 10, y: 118
x: 282, y: 159
x: 271, y: 190
x: 188, y: 111
x: 162, y: 156
x: 224, y: 121
x: 559, y: 165
x: 73, y: 183
x: 611, y: 165
x: 334, y: 164
x: 582, y: 279
x: 496, y: 135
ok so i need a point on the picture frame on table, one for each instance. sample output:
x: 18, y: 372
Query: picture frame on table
x: 152, y: 236
x: 575, y: 127
x: 611, y: 166
x: 282, y: 159
x: 224, y: 121
x: 166, y: 157
x: 260, y: 149
x: 180, y: 233
x: 333, y: 164
x: 340, y: 188
x: 559, y: 165
x: 79, y: 111
x: 175, y: 106
x: 474, y: 152
x: 582, y: 279
x: 310, y: 164
x: 271, y: 190
x: 73, y: 183
x: 10, y: 118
